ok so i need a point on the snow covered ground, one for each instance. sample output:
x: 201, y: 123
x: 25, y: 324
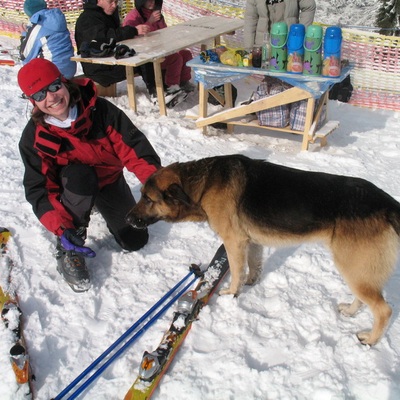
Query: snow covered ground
x: 356, y: 12
x: 281, y: 339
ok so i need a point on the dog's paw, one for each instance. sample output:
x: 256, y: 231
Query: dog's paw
x: 345, y: 309
x: 365, y: 338
x: 252, y: 281
x: 227, y: 291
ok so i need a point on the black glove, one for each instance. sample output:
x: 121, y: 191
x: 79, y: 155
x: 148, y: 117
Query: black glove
x: 98, y: 48
x: 123, y: 51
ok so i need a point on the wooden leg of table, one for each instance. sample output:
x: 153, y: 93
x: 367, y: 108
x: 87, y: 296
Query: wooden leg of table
x: 308, y: 123
x: 324, y: 100
x: 228, y: 103
x: 215, y: 42
x: 159, y: 86
x: 203, y: 96
x: 130, y: 83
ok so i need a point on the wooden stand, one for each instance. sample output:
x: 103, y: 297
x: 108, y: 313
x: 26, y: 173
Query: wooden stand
x: 234, y: 116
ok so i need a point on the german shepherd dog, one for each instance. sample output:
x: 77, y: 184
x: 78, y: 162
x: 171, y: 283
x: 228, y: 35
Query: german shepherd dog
x: 253, y: 203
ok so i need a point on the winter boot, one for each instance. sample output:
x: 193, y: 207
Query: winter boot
x: 72, y: 267
x: 188, y: 87
x: 174, y: 95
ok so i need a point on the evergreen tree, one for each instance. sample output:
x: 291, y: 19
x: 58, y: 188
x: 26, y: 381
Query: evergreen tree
x: 388, y: 17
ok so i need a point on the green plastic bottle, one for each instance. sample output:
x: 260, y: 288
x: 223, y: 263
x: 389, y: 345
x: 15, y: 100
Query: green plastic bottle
x: 312, y: 64
x: 278, y: 59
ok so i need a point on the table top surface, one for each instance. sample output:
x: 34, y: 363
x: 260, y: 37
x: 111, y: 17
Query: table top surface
x: 213, y: 74
x: 163, y: 42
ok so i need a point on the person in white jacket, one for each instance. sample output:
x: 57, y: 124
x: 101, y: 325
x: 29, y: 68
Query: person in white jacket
x: 48, y: 37
x: 261, y: 14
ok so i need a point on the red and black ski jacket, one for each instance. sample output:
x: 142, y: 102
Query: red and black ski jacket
x: 102, y: 136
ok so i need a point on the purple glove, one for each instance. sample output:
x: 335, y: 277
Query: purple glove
x: 71, y: 241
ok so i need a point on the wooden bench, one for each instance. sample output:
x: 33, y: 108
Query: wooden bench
x: 105, y: 91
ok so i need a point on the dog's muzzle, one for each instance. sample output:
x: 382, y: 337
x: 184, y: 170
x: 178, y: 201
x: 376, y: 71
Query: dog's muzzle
x: 136, y: 222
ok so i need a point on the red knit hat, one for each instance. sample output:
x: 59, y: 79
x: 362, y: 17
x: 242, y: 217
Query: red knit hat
x: 36, y: 75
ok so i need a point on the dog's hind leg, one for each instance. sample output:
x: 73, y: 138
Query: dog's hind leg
x: 381, y: 312
x: 236, y: 251
x: 349, y: 309
x: 372, y: 297
x: 254, y: 261
x: 366, y: 292
x: 366, y: 262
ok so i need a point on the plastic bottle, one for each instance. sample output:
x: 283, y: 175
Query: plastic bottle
x: 312, y: 64
x: 256, y: 58
x: 247, y: 58
x: 295, y: 45
x: 266, y: 51
x: 332, y: 51
x: 278, y: 59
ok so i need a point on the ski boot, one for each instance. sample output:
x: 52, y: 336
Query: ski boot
x: 72, y: 267
x: 174, y: 95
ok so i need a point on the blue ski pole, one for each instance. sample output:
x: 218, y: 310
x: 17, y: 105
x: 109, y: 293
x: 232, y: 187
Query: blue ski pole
x: 129, y: 342
x: 122, y: 337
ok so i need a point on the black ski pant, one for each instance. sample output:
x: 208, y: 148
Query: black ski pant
x: 81, y: 192
x: 105, y: 75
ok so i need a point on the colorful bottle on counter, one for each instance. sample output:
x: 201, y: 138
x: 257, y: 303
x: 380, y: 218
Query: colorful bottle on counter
x: 278, y: 59
x: 332, y: 51
x: 295, y: 48
x: 266, y: 51
x: 256, y: 58
x: 312, y: 64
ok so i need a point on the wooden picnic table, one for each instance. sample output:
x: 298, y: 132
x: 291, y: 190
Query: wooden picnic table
x: 155, y: 46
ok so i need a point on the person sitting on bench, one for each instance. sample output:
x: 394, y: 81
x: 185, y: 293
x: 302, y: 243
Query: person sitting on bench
x: 100, y: 21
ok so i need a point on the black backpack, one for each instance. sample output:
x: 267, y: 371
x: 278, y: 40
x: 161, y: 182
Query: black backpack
x: 221, y: 91
x: 341, y: 91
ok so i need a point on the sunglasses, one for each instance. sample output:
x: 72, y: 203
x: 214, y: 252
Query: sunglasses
x: 41, y: 94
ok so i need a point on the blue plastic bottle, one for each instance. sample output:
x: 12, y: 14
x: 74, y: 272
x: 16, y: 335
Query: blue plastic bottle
x: 332, y: 51
x: 296, y: 48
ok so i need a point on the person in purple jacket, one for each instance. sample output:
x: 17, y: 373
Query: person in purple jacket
x: 177, y: 74
x: 48, y: 37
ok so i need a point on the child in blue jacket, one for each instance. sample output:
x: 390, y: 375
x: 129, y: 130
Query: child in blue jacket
x: 47, y: 37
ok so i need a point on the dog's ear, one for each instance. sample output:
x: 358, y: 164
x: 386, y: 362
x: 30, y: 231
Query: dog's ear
x: 176, y: 194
